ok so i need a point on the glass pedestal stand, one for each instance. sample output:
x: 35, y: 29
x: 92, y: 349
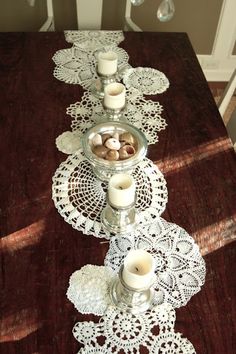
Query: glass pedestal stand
x: 115, y: 114
x: 119, y: 220
x: 98, y: 86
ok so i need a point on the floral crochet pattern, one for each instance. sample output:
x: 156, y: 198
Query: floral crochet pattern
x: 180, y: 268
x: 80, y: 197
x: 147, y: 80
x: 78, y: 66
x: 124, y: 331
x: 142, y: 113
x: 91, y: 40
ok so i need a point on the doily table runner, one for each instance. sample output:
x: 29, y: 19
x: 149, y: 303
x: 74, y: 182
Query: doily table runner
x: 180, y: 268
x: 127, y: 333
x: 92, y: 40
x: 143, y: 114
x: 80, y: 197
x: 78, y: 66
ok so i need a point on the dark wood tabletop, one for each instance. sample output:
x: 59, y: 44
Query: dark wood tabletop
x: 39, y: 250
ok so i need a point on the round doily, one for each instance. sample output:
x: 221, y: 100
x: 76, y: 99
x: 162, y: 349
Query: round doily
x: 68, y: 142
x: 80, y: 197
x: 171, y: 342
x: 92, y: 40
x: 123, y: 331
x: 89, y: 289
x: 180, y: 267
x: 147, y: 80
x: 143, y: 114
x: 77, y: 66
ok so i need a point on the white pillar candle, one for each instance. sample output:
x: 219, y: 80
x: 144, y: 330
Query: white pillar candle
x: 139, y: 269
x: 121, y: 190
x: 107, y: 63
x: 114, y: 96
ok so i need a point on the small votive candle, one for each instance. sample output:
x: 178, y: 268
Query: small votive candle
x: 107, y: 63
x: 114, y: 96
x: 121, y: 190
x: 139, y: 269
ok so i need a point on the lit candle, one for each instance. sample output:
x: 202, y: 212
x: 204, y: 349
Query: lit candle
x: 114, y: 96
x: 107, y: 63
x: 139, y: 269
x: 121, y: 190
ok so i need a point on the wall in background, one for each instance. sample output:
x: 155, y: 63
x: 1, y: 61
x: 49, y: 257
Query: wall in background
x: 17, y: 15
x: 199, y: 18
x: 113, y: 14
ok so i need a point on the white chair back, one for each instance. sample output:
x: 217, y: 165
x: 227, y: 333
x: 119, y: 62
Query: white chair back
x: 49, y: 24
x: 227, y: 94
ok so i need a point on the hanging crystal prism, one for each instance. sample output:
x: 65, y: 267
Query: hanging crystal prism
x: 166, y: 10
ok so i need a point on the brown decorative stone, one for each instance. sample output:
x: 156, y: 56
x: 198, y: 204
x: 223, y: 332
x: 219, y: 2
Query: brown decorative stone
x: 126, y: 151
x: 127, y: 138
x: 100, y: 151
x: 105, y: 137
x: 112, y: 155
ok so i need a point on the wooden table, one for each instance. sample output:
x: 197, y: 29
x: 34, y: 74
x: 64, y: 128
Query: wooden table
x: 39, y: 250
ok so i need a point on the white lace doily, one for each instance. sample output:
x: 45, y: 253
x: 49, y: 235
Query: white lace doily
x: 68, y: 142
x: 92, y: 40
x: 147, y: 80
x: 89, y: 289
x: 77, y: 66
x: 80, y: 197
x: 180, y: 267
x: 128, y: 333
x: 143, y: 114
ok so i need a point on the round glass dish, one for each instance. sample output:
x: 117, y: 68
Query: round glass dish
x: 104, y: 169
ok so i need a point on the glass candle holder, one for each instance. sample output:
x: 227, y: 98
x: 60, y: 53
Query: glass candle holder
x: 103, y: 168
x: 131, y: 299
x: 97, y: 89
x: 119, y: 220
x: 106, y: 71
x: 114, y: 101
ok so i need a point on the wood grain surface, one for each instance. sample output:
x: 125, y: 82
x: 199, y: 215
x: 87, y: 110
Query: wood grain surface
x: 39, y: 250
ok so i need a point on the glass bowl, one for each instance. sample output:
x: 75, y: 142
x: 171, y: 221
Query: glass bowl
x: 104, y: 169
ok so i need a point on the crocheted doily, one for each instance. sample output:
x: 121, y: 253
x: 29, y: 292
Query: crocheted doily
x: 80, y: 197
x: 68, y: 142
x: 89, y: 289
x: 143, y: 114
x: 149, y: 81
x: 92, y: 40
x: 128, y: 333
x: 77, y: 66
x: 180, y: 268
